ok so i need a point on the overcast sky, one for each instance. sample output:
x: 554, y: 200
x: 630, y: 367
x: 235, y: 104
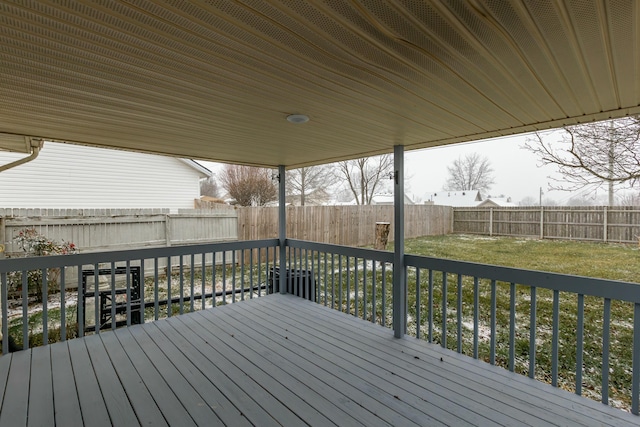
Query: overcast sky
x: 516, y: 171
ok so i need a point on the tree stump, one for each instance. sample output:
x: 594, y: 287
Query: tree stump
x: 382, y: 235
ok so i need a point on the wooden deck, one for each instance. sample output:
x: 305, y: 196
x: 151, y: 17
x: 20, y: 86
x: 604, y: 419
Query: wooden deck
x: 276, y: 360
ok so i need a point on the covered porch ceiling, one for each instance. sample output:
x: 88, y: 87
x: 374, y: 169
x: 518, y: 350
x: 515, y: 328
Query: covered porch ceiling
x: 215, y: 80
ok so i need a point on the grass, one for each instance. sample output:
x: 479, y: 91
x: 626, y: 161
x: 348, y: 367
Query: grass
x: 601, y: 260
x: 607, y: 261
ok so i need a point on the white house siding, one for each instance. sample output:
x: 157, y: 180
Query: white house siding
x: 74, y: 176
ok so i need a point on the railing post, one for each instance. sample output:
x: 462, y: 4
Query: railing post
x: 282, y: 229
x: 399, y: 272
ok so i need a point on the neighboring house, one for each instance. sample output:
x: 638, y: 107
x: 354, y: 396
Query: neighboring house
x: 76, y: 176
x: 377, y: 199
x: 496, y: 202
x: 387, y: 199
x: 470, y: 198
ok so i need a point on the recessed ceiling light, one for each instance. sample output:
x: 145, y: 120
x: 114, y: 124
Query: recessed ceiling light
x: 297, y: 118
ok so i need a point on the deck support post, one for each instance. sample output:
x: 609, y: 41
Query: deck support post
x: 282, y: 229
x: 399, y: 272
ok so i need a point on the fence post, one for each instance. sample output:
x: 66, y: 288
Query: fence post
x: 605, y: 221
x: 490, y: 222
x: 167, y: 229
x: 541, y: 222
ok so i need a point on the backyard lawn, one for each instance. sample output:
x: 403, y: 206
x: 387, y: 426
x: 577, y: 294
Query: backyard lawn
x: 600, y: 260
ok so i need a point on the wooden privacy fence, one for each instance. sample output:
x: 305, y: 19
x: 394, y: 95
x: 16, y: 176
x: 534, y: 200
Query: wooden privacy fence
x: 94, y: 230
x: 595, y: 223
x: 342, y: 225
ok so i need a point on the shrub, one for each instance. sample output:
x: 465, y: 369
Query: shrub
x: 33, y: 243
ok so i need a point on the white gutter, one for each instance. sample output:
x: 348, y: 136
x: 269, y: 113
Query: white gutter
x: 36, y: 145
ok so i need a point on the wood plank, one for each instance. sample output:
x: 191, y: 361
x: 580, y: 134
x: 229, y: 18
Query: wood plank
x: 410, y: 400
x: 113, y: 393
x: 65, y: 394
x: 16, y: 395
x: 142, y: 403
x: 305, y: 386
x: 92, y: 404
x: 249, y: 400
x: 551, y: 403
x: 41, y: 388
x: 177, y: 396
x: 5, y: 364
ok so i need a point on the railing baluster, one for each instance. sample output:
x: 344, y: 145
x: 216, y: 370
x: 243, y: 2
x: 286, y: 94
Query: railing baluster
x: 251, y: 272
x: 512, y: 327
x: 492, y: 351
x: 142, y: 293
x: 45, y: 307
x: 635, y: 372
x: 430, y: 307
x: 325, y: 279
x: 579, y: 344
x: 417, y: 290
x: 348, y: 286
x: 80, y: 303
x: 96, y: 299
x: 203, y: 269
x: 333, y: 281
x: 169, y: 304
x: 606, y: 321
x: 63, y: 304
x: 443, y: 341
x: 233, y: 276
x: 224, y: 277
x: 355, y: 284
x: 307, y: 283
x: 214, y: 272
x: 374, y: 305
x: 476, y: 315
x: 192, y: 283
x: 5, y: 312
x: 156, y: 299
x: 364, y: 288
x: 532, y: 333
x: 384, y: 294
x: 181, y: 294
x: 113, y: 296
x: 25, y: 310
x: 340, y: 282
x: 459, y: 313
x: 128, y: 281
x: 242, y: 284
x: 554, y: 338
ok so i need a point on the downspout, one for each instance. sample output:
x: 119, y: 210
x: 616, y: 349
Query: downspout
x: 36, y: 145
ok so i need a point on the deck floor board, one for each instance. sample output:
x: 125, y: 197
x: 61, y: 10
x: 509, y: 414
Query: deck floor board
x: 275, y: 360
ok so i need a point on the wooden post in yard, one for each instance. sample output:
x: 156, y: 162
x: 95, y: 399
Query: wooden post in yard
x: 382, y: 235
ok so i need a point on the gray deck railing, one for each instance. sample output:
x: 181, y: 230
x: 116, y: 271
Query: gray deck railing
x: 574, y: 332
x: 577, y: 333
x: 194, y: 277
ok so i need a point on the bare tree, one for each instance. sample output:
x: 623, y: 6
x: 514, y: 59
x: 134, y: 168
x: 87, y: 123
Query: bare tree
x: 249, y: 186
x: 310, y: 184
x: 364, y: 176
x: 471, y: 172
x: 593, y: 155
x: 209, y: 187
